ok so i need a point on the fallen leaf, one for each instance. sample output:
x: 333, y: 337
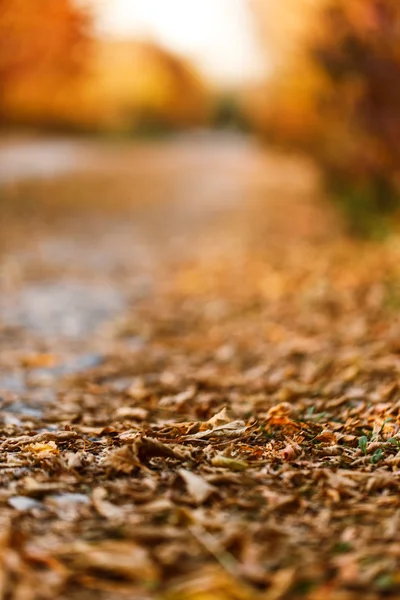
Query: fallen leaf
x: 147, y: 447
x: 221, y: 418
x: 229, y: 463
x: 197, y: 487
x: 104, y: 508
x: 111, y: 559
x: 123, y: 460
x: 42, y: 449
x: 41, y: 360
x: 289, y: 452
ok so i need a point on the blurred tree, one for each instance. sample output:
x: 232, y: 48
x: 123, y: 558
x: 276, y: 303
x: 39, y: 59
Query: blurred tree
x: 138, y: 87
x: 358, y: 47
x: 337, y: 96
x: 40, y: 42
x: 283, y: 27
x: 169, y: 91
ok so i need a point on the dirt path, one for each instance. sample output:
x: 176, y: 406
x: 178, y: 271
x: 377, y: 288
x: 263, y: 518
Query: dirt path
x: 152, y: 205
x: 156, y: 206
x: 198, y: 383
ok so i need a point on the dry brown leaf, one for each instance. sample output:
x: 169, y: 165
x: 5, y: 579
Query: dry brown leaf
x: 327, y: 437
x: 123, y: 460
x: 221, y: 418
x: 147, y: 448
x: 47, y: 436
x: 131, y: 412
x: 289, y: 452
x: 212, y: 583
x: 197, y: 487
x: 111, y: 559
x: 104, y: 508
x: 36, y: 488
x: 228, y: 430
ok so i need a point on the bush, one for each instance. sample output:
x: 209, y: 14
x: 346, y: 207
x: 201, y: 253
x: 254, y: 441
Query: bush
x: 358, y: 47
x: 339, y: 100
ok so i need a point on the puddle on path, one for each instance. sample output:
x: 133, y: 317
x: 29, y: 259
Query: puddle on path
x: 38, y: 159
x: 64, y: 309
x: 32, y: 384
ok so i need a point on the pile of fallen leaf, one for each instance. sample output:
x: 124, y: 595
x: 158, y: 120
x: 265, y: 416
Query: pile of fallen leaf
x: 240, y: 441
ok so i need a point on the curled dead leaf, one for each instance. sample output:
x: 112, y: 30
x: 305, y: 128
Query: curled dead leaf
x: 289, y: 452
x: 147, y: 447
x: 218, y: 419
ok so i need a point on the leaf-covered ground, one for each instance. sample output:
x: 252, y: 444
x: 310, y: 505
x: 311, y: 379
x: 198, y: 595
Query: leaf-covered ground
x: 231, y: 429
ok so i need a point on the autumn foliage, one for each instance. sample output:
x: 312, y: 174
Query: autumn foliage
x: 338, y: 99
x: 137, y: 86
x: 41, y: 47
x: 55, y: 73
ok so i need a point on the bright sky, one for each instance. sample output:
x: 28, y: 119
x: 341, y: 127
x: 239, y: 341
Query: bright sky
x: 218, y: 35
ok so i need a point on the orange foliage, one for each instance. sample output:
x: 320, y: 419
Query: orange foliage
x: 284, y: 27
x: 138, y: 84
x: 40, y: 48
x: 336, y: 95
x: 124, y: 86
x: 284, y: 108
x: 185, y: 101
x: 53, y: 73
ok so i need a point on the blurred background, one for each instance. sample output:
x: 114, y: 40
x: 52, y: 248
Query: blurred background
x: 126, y: 66
x: 315, y: 79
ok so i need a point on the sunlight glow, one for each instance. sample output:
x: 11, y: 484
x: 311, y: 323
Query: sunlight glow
x: 218, y: 35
